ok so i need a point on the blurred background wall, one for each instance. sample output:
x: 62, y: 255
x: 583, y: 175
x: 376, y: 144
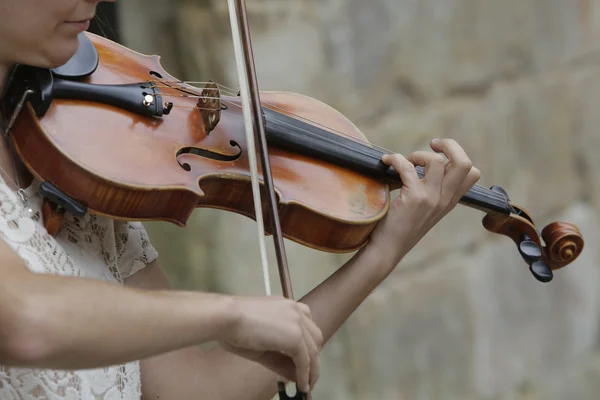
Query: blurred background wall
x: 517, y: 83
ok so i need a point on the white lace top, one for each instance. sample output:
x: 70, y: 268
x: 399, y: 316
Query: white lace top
x: 90, y: 247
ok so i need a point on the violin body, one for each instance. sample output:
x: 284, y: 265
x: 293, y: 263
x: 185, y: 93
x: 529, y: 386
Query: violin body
x: 128, y: 166
x: 98, y: 135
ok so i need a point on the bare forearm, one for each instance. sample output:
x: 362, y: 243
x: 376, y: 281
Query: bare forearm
x: 334, y: 300
x: 70, y: 323
x: 221, y: 375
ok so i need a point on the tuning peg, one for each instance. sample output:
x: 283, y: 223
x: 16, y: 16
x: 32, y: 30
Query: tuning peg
x: 541, y: 271
x: 530, y: 251
x: 532, y: 254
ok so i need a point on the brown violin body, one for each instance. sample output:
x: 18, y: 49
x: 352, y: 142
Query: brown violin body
x: 129, y: 166
x: 106, y: 142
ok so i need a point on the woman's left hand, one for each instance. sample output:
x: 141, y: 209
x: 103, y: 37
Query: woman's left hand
x: 422, y: 203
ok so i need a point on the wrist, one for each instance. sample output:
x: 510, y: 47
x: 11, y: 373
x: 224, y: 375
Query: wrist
x: 208, y: 316
x: 382, y: 257
x: 227, y: 317
x: 390, y: 247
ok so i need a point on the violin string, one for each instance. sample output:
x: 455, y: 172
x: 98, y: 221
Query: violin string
x: 231, y: 92
x: 320, y: 137
x: 307, y: 132
x: 480, y: 190
x: 276, y: 108
x: 368, y: 144
x: 199, y: 108
x: 303, y: 130
x: 326, y: 128
x: 186, y: 95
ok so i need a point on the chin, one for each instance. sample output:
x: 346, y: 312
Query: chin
x: 59, y: 53
x: 61, y: 58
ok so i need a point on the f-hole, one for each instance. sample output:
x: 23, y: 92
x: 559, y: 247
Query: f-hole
x: 209, y: 154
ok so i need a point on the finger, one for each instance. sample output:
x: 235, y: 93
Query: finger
x: 280, y: 364
x: 313, y: 350
x: 434, y: 165
x: 458, y: 166
x: 315, y: 371
x: 302, y: 361
x: 314, y: 342
x: 406, y: 169
x: 467, y: 184
x: 471, y: 179
x: 297, y: 349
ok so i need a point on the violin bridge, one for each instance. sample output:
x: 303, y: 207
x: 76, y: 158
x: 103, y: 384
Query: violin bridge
x: 209, y: 105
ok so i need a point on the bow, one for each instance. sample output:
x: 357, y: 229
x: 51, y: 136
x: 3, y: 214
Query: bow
x: 254, y: 127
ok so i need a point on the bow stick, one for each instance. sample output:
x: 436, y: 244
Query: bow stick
x: 254, y: 126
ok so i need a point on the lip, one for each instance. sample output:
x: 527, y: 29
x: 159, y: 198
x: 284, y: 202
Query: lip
x: 81, y: 26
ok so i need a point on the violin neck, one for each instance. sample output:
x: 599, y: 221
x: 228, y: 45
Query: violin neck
x: 298, y: 136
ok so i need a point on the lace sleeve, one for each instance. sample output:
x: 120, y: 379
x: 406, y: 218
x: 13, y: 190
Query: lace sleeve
x: 134, y: 248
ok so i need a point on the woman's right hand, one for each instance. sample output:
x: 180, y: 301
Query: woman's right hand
x: 273, y: 331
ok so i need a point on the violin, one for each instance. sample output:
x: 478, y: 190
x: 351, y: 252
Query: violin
x: 111, y: 132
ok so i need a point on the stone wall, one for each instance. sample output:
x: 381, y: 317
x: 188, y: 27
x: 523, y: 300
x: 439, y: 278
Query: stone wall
x: 517, y: 83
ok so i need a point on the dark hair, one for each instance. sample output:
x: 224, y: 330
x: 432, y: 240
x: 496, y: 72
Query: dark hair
x: 106, y: 23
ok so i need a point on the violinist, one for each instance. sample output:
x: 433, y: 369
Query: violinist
x: 89, y: 313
